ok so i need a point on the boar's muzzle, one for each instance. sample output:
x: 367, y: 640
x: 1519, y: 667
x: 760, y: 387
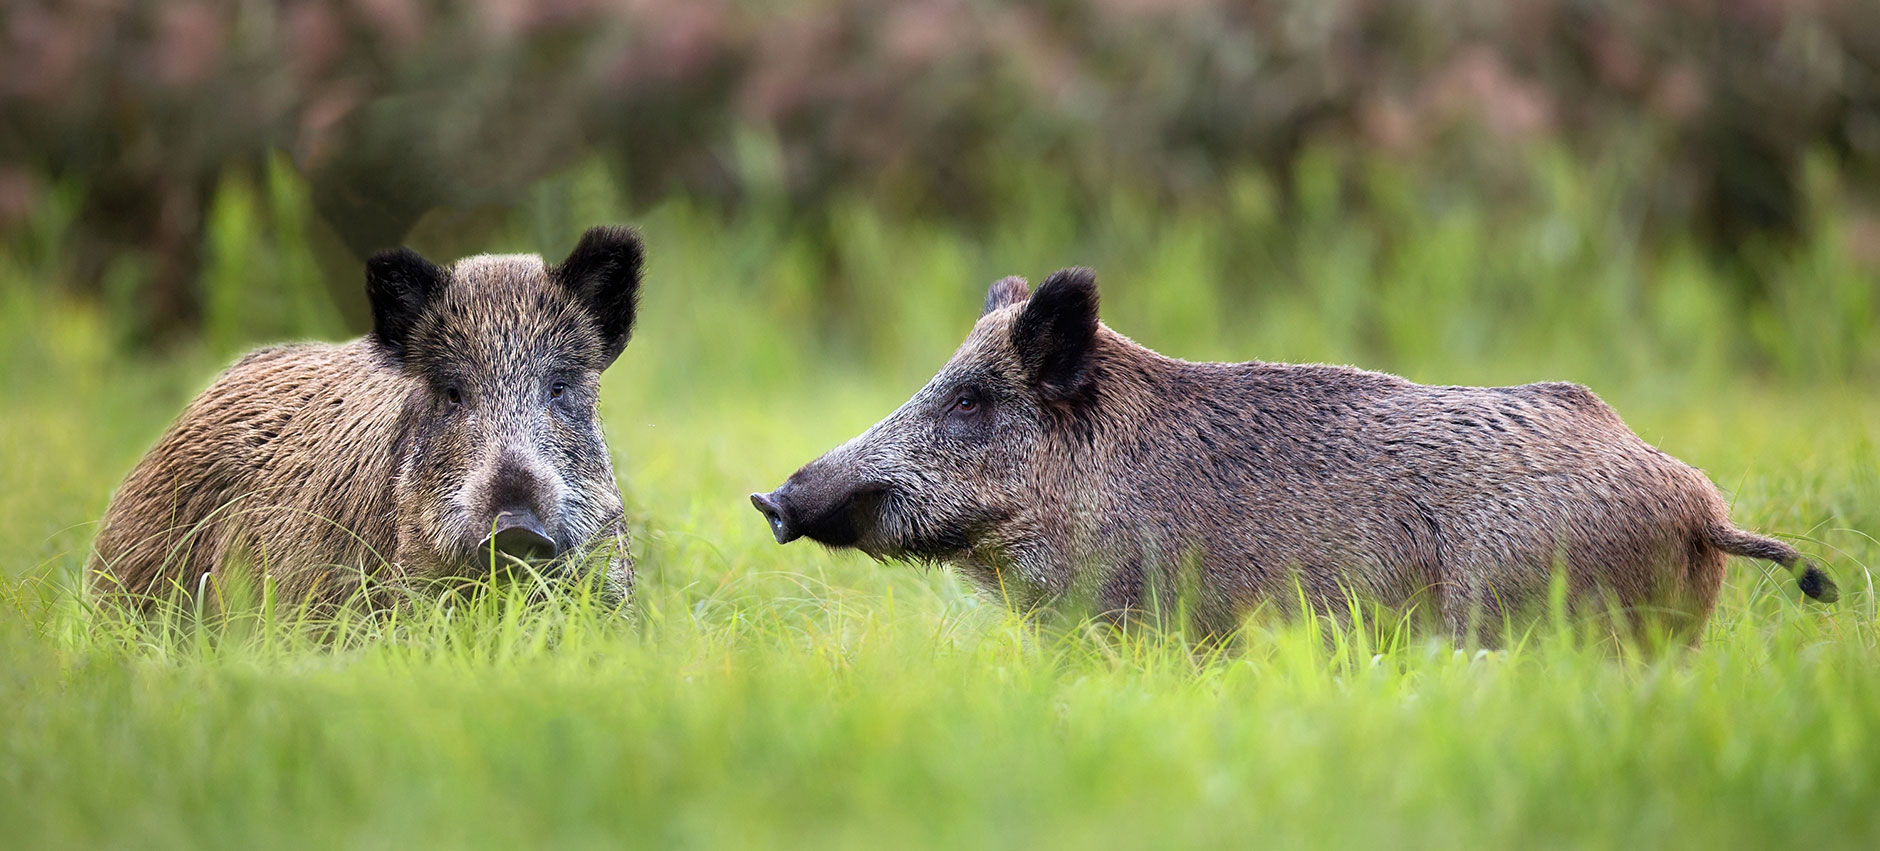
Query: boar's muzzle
x: 829, y: 513
x: 520, y: 534
x: 771, y: 506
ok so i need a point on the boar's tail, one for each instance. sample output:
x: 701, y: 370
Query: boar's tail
x: 1813, y: 581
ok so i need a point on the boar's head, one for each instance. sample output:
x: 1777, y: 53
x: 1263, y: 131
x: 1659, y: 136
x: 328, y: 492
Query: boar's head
x: 981, y: 468
x: 500, y: 448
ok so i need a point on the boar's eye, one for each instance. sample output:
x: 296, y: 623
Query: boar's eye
x: 965, y: 414
x: 556, y: 390
x: 453, y: 396
x: 967, y: 402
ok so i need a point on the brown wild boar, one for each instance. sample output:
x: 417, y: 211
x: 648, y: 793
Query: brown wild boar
x: 1053, y: 458
x: 463, y: 426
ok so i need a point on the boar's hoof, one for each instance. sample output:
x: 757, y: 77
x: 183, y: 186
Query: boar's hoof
x: 520, y: 535
x: 768, y: 506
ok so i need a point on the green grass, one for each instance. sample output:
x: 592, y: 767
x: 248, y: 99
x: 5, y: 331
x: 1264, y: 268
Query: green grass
x: 789, y: 696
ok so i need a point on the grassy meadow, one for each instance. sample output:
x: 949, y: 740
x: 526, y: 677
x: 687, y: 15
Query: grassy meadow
x: 794, y: 697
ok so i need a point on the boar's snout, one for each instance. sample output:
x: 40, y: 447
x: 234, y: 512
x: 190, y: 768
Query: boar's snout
x: 771, y: 506
x: 519, y: 502
x: 831, y: 512
x: 520, y: 534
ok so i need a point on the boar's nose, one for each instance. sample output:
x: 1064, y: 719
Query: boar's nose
x: 771, y: 506
x: 519, y: 534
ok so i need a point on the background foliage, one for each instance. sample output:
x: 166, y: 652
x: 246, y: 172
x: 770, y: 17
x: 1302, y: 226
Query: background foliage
x: 1705, y: 115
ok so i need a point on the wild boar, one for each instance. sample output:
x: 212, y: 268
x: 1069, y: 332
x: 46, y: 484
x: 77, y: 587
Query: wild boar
x: 1052, y: 458
x: 464, y: 426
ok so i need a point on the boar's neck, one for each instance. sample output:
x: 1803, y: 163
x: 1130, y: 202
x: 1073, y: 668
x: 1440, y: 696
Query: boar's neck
x: 1173, y: 450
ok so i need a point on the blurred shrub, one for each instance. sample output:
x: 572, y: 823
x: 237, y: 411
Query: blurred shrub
x: 393, y: 108
x: 760, y: 302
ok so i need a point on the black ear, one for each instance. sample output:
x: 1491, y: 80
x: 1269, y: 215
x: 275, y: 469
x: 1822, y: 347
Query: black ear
x: 401, y: 285
x: 1055, y: 332
x: 603, y: 273
x: 1005, y: 292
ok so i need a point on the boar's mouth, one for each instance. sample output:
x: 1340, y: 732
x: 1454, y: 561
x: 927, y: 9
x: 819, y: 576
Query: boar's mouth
x: 875, y: 518
x: 879, y: 523
x: 840, y: 519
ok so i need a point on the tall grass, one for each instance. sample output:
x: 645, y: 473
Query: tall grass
x: 791, y: 696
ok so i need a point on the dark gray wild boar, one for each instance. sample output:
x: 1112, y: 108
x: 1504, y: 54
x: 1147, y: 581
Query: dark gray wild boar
x: 464, y: 426
x: 1053, y: 458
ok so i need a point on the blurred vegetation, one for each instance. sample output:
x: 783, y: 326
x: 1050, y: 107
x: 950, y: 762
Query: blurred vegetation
x: 1376, y: 264
x: 1705, y: 121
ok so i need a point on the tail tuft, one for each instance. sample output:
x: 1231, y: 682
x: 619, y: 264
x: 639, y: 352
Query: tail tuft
x: 1813, y: 581
x: 1816, y: 584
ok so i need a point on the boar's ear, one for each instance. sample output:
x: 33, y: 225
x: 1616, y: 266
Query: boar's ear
x: 1055, y: 331
x: 1005, y: 292
x: 603, y: 273
x: 400, y: 284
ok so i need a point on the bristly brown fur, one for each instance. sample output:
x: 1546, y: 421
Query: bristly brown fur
x: 1088, y: 467
x: 346, y: 471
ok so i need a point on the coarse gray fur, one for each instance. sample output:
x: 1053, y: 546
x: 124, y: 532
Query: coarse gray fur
x: 1052, y: 458
x: 348, y: 472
